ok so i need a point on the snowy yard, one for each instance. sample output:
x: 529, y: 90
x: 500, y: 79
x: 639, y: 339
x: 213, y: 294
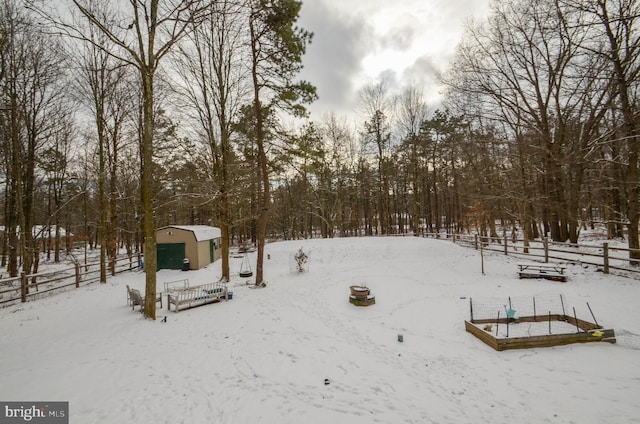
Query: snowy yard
x: 266, y: 355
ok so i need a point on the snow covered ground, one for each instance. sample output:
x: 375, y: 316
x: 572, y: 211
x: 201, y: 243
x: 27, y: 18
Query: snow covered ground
x: 266, y: 355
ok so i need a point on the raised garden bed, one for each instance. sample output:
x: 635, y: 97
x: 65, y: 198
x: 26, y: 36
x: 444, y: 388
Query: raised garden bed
x: 517, y: 323
x: 569, y: 330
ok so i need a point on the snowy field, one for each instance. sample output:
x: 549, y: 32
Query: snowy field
x: 266, y: 355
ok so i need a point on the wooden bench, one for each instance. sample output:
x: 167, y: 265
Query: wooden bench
x: 190, y: 297
x: 174, y: 286
x: 170, y: 286
x: 553, y: 272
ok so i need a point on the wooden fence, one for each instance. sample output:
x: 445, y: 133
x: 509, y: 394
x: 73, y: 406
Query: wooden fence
x: 29, y: 287
x: 603, y: 256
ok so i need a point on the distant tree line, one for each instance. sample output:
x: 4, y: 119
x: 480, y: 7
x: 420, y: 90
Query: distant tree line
x: 538, y: 132
x: 120, y: 117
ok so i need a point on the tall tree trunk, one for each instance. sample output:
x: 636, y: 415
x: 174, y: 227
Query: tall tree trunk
x: 263, y: 216
x: 112, y: 218
x: 102, y: 200
x: 149, y: 234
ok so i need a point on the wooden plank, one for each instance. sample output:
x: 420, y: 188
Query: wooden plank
x: 584, y: 325
x: 551, y: 340
x: 542, y: 274
x: 536, y: 269
x: 485, y: 336
x: 359, y: 301
x: 176, y: 285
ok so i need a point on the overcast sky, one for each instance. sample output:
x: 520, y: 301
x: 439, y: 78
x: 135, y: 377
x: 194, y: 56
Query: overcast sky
x: 357, y: 42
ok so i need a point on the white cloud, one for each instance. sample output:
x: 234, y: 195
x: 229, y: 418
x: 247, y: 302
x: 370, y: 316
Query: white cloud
x: 357, y: 42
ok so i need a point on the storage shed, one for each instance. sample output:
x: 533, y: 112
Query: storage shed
x: 199, y: 244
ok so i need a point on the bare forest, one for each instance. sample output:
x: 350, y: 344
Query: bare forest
x: 121, y: 117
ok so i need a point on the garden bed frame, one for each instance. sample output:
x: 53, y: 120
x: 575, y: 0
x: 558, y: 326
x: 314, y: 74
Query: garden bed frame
x: 585, y: 332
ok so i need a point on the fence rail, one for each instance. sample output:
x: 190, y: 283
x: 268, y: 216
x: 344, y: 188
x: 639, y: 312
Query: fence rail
x: 603, y: 256
x: 31, y: 286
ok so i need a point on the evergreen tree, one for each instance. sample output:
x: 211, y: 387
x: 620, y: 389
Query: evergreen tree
x: 277, y: 46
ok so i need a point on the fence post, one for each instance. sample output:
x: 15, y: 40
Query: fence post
x: 605, y: 256
x: 23, y: 287
x: 77, y: 275
x: 545, y: 242
x: 476, y: 241
x: 506, y: 252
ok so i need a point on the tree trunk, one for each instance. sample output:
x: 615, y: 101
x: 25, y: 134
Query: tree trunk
x: 224, y: 230
x: 263, y: 217
x: 112, y: 219
x: 102, y: 201
x: 149, y: 234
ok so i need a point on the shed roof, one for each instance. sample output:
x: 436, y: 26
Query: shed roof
x: 201, y: 232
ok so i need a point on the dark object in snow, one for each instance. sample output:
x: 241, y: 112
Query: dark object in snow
x: 400, y: 338
x: 326, y: 381
x: 164, y: 319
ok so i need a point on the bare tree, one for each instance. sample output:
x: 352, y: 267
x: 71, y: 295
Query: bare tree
x: 55, y: 163
x: 527, y: 68
x: 99, y: 83
x: 142, y: 38
x: 214, y: 84
x: 338, y: 137
x: 377, y: 104
x: 33, y: 95
x: 412, y: 112
x: 619, y: 22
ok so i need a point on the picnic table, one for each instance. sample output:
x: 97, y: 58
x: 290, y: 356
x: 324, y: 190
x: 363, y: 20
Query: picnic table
x: 555, y: 272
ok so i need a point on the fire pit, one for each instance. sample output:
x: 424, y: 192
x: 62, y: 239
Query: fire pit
x: 361, y: 296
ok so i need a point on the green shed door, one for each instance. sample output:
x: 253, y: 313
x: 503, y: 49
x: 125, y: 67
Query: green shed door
x: 170, y: 255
